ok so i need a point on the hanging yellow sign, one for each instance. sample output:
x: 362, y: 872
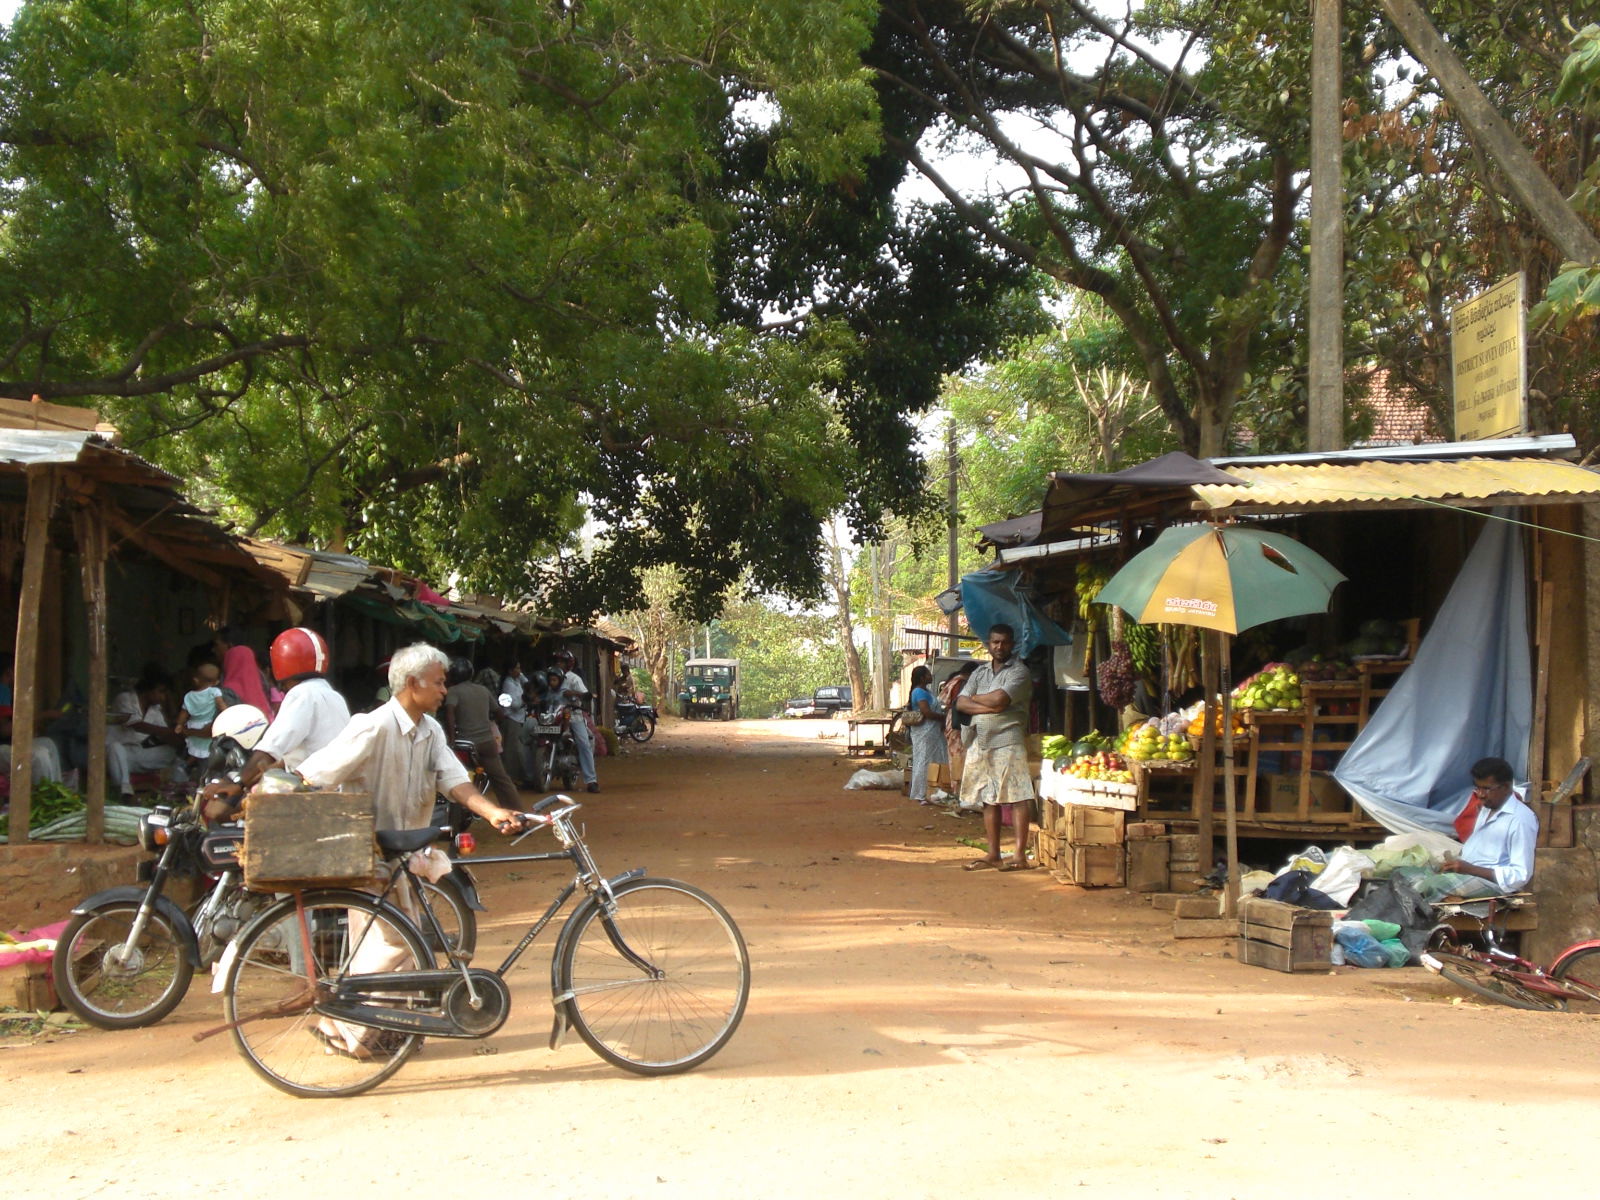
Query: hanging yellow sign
x: 1489, y: 363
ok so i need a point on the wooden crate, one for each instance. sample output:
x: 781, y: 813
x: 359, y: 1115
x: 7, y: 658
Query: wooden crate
x: 1094, y: 866
x: 1094, y: 826
x: 1046, y: 849
x: 1147, y: 864
x: 302, y: 839
x: 28, y: 987
x: 1282, y: 937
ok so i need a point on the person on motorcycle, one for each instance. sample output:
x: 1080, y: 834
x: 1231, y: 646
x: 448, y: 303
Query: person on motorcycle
x: 311, y: 716
x: 513, y: 718
x: 575, y: 694
x: 468, y: 715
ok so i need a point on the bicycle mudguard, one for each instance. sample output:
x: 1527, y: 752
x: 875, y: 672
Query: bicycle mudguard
x: 465, y: 884
x: 168, y: 908
x: 1576, y: 947
x: 558, y: 1029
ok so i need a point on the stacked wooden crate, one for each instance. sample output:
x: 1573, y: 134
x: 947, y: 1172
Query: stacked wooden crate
x: 1149, y: 856
x: 1092, y: 853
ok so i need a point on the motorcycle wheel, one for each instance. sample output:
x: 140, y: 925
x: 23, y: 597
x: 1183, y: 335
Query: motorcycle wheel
x: 642, y: 729
x: 111, y: 984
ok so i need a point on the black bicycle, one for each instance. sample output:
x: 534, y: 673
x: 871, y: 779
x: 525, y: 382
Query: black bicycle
x: 329, y: 991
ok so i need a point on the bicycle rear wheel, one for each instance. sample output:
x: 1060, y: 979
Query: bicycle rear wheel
x: 268, y: 998
x: 1580, y: 975
x: 679, y: 1009
x: 1494, y: 983
x: 458, y: 922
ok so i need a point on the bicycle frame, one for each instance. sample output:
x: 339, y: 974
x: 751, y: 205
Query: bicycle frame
x: 347, y: 1000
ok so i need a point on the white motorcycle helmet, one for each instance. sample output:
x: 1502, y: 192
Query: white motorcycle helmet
x: 244, y: 723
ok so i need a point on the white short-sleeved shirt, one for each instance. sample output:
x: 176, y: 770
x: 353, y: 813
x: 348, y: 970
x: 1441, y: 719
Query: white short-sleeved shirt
x: 128, y: 703
x: 402, y: 762
x: 311, y: 716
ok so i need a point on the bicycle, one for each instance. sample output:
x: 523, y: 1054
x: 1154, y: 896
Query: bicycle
x: 653, y: 974
x: 1571, y: 983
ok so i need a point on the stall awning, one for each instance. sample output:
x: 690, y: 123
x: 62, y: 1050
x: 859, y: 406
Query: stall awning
x: 1351, y: 486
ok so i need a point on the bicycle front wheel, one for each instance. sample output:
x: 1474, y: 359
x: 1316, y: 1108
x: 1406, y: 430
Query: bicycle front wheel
x: 680, y: 1002
x: 1580, y: 975
x: 1492, y: 983
x: 269, y: 992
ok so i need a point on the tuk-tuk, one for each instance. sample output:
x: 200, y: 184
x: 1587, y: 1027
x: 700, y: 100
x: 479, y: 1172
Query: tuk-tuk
x: 710, y: 688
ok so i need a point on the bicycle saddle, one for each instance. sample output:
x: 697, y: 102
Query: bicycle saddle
x: 403, y: 841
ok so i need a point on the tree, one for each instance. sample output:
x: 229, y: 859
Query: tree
x: 1169, y: 194
x: 839, y: 583
x: 781, y: 654
x: 436, y: 281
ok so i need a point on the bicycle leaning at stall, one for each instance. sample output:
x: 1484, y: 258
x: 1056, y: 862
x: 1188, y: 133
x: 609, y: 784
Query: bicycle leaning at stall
x: 1571, y: 983
x: 330, y: 990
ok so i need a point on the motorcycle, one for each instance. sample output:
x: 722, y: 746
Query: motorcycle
x: 555, y: 754
x: 128, y: 954
x: 637, y: 721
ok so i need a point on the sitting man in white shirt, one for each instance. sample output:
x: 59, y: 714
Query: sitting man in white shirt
x: 142, y: 739
x: 1497, y: 857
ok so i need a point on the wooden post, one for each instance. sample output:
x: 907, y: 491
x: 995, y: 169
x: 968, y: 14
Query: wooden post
x: 1206, y: 776
x: 1541, y: 688
x: 91, y: 534
x: 1230, y: 780
x: 1325, y: 354
x: 43, y: 483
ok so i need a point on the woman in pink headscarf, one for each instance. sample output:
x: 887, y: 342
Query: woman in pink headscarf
x: 240, y: 671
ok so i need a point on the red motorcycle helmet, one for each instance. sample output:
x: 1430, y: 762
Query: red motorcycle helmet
x: 298, y: 652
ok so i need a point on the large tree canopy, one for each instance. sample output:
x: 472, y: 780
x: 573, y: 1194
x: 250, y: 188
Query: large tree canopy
x: 437, y: 281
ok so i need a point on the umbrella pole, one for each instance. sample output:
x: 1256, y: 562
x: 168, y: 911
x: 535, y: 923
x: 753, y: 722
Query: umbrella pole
x: 1229, y: 783
x: 1206, y: 784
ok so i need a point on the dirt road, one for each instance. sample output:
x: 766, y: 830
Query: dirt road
x: 914, y: 1031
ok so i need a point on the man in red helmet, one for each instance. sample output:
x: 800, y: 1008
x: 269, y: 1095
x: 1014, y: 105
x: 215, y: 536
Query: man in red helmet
x: 311, y: 716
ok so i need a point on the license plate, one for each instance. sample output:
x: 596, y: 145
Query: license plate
x: 546, y: 730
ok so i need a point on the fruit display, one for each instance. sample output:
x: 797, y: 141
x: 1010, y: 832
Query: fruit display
x: 1148, y: 744
x: 1115, y: 676
x: 1326, y: 670
x: 1276, y: 685
x: 1197, y: 724
x: 1106, y: 766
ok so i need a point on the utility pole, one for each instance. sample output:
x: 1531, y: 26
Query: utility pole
x: 1325, y: 357
x: 952, y: 517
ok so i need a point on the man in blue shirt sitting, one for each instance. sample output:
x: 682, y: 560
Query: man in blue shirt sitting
x: 1497, y: 857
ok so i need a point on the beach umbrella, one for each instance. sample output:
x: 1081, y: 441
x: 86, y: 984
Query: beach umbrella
x: 1225, y: 578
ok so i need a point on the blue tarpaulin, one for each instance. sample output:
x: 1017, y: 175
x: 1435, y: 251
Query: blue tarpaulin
x: 1469, y: 694
x: 991, y: 598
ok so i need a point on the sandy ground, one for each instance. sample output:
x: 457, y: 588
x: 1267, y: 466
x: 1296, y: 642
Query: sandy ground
x: 913, y: 1031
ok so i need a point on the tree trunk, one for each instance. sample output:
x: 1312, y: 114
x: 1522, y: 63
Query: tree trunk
x: 839, y: 580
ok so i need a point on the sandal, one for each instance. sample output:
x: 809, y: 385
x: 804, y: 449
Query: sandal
x: 982, y: 864
x: 1022, y: 866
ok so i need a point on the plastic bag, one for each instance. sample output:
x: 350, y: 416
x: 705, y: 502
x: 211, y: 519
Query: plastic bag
x: 1384, y: 931
x: 1420, y: 849
x: 1343, y: 874
x: 1399, y: 956
x: 867, y: 778
x: 1312, y: 859
x: 1361, y: 949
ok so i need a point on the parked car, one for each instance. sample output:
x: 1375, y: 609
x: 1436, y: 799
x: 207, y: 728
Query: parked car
x: 710, y: 689
x: 832, y: 701
x: 799, y: 706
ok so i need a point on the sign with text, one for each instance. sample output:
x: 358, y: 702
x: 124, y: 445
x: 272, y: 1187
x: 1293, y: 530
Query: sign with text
x: 1489, y: 363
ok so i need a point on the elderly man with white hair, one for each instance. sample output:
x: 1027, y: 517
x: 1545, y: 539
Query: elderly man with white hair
x: 400, y: 754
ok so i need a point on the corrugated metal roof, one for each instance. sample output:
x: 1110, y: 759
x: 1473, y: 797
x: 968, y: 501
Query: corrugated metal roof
x: 1473, y: 481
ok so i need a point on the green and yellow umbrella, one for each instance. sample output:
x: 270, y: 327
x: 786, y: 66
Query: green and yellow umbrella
x: 1222, y: 577
x: 1225, y: 578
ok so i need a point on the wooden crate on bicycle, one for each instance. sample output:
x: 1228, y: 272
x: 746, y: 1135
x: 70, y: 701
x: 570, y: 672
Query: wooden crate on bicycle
x: 305, y: 839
